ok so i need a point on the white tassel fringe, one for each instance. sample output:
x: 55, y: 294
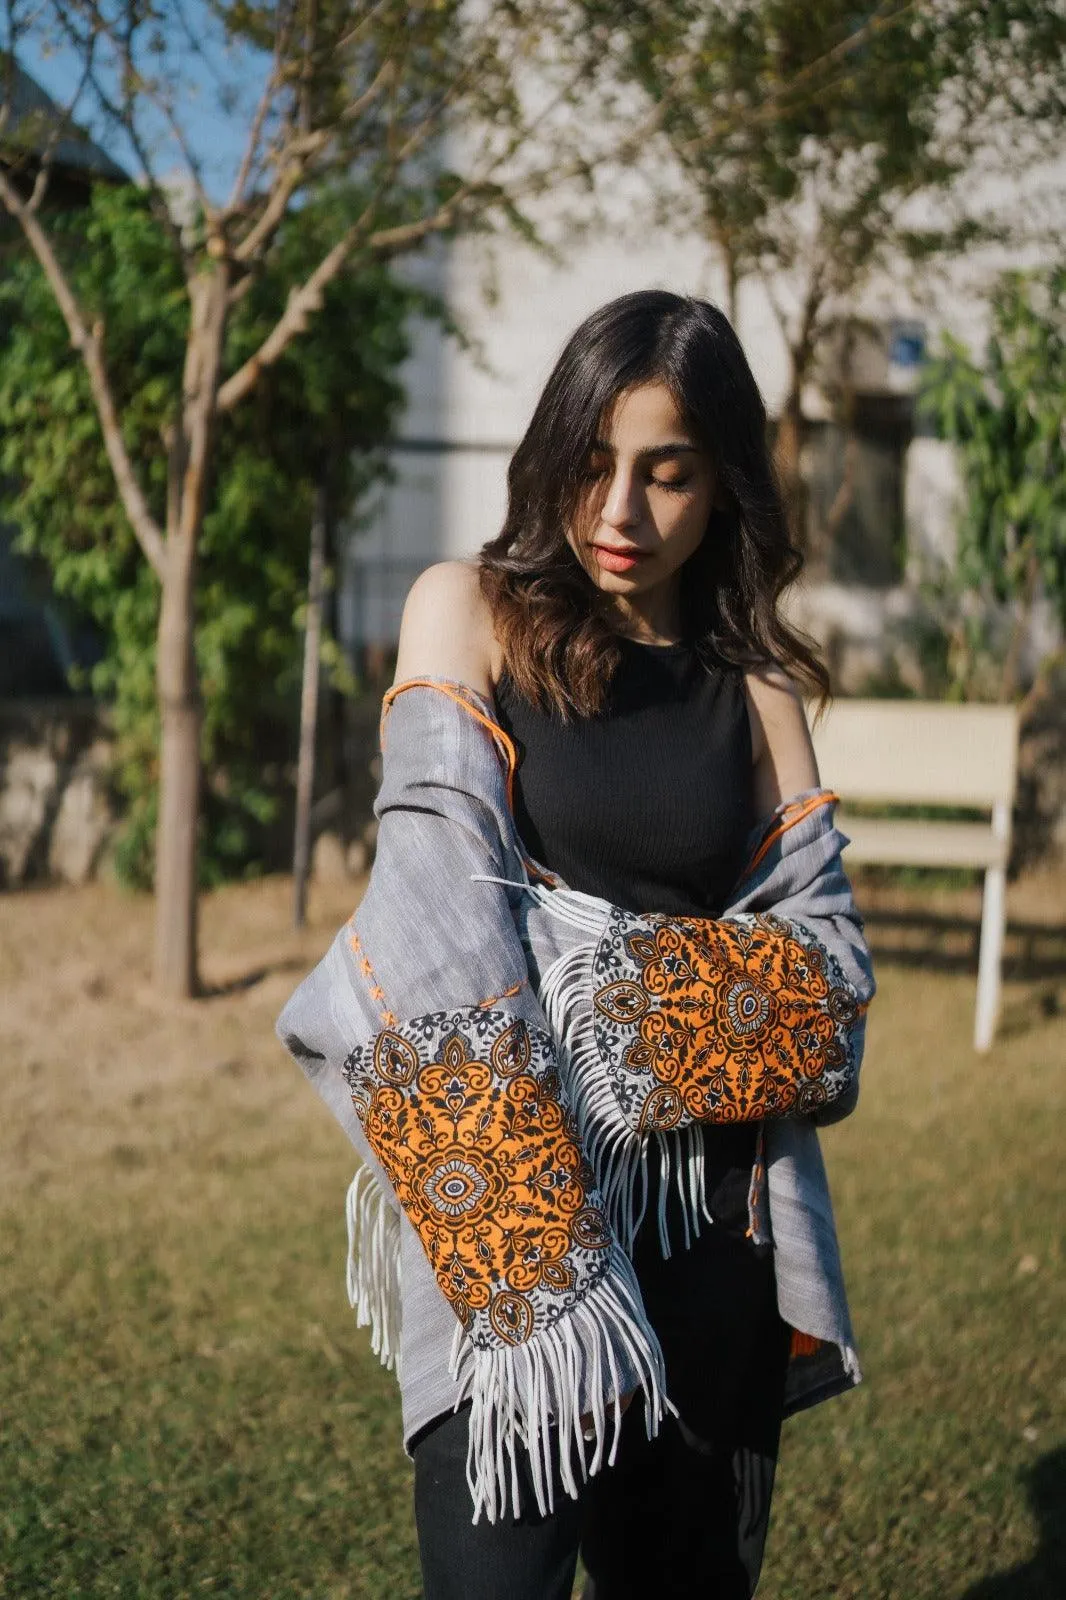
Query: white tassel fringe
x: 374, y: 1265
x: 850, y: 1359
x: 565, y: 1379
x: 618, y: 1155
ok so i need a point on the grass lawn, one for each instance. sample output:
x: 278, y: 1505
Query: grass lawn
x: 186, y: 1408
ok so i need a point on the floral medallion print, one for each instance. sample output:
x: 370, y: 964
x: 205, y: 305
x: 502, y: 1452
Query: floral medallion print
x: 700, y: 1020
x: 462, y: 1109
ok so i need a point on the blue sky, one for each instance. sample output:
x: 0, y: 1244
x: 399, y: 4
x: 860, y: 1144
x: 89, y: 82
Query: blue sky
x: 203, y: 69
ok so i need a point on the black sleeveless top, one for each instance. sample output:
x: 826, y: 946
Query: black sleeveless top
x: 648, y: 805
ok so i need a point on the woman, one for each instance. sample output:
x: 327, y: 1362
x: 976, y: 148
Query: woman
x: 620, y: 640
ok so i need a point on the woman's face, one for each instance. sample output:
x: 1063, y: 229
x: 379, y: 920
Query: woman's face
x: 649, y: 497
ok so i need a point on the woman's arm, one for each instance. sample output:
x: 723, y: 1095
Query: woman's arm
x: 782, y: 754
x: 446, y: 631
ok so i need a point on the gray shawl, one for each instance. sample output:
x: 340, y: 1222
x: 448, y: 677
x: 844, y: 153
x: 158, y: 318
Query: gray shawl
x: 507, y: 1055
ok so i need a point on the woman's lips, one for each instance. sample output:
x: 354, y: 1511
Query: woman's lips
x: 617, y: 560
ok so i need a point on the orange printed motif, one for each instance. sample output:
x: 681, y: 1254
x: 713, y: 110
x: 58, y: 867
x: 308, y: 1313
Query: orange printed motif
x: 462, y: 1110
x: 699, y: 1020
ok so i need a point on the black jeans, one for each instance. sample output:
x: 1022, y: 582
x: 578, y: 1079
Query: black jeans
x: 681, y: 1515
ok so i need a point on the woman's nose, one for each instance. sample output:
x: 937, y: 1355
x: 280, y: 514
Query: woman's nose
x: 621, y: 508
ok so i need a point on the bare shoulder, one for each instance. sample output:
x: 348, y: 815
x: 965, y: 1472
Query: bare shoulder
x: 446, y: 631
x: 772, y: 698
x: 782, y: 753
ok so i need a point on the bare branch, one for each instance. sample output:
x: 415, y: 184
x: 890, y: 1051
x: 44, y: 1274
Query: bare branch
x: 301, y: 304
x: 255, y: 132
x: 886, y: 15
x: 239, y: 289
x: 385, y: 75
x: 251, y: 149
x: 203, y: 199
x: 286, y: 183
x: 781, y: 313
x: 294, y: 159
x: 390, y: 241
x: 457, y: 87
x: 123, y: 116
x: 89, y: 345
x: 59, y: 128
x: 123, y: 112
x: 364, y: 22
x: 304, y: 301
x: 134, y: 82
x: 307, y: 299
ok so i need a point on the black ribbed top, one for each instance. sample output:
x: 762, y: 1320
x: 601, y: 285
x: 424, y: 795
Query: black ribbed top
x: 649, y: 803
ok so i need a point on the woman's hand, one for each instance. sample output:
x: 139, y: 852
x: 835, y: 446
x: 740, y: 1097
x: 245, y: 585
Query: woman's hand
x: 588, y: 1421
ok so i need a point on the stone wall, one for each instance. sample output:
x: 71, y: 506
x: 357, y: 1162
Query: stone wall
x: 56, y: 814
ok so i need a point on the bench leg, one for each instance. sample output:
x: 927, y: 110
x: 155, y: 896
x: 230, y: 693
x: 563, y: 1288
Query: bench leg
x: 993, y: 918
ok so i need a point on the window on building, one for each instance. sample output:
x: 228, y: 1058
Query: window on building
x: 855, y: 493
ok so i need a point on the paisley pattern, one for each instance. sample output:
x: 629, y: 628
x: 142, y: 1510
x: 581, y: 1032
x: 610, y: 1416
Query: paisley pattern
x: 462, y: 1109
x: 699, y: 1020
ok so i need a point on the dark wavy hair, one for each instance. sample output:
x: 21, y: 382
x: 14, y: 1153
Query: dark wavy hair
x: 557, y: 647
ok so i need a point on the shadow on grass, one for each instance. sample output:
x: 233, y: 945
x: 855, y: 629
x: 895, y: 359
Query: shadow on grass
x: 938, y: 942
x: 1044, y: 1577
x: 242, y: 981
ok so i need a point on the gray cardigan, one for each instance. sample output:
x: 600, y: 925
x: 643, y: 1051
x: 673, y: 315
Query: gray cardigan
x: 460, y: 932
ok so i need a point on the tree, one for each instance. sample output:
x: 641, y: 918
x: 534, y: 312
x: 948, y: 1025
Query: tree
x: 410, y: 113
x: 1006, y: 416
x: 820, y: 141
x: 325, y: 407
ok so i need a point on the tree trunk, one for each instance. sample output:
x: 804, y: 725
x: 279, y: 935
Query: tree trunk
x: 787, y: 450
x: 305, y: 778
x: 822, y: 536
x: 789, y: 443
x: 1010, y: 676
x: 732, y: 278
x: 179, y: 779
x: 177, y: 684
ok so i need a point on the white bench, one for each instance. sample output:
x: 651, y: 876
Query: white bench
x: 914, y: 752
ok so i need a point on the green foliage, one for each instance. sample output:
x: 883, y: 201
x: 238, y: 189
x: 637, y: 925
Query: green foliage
x: 813, y: 101
x: 331, y: 398
x: 952, y: 645
x: 1007, y: 419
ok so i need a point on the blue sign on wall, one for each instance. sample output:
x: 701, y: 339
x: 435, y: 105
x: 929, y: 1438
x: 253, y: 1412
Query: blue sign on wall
x: 906, y: 344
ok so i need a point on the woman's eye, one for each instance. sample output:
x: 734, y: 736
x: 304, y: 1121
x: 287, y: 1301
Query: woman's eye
x: 671, y: 483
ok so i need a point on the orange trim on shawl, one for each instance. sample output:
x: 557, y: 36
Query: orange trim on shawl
x: 793, y: 813
x: 504, y: 742
x: 454, y: 692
